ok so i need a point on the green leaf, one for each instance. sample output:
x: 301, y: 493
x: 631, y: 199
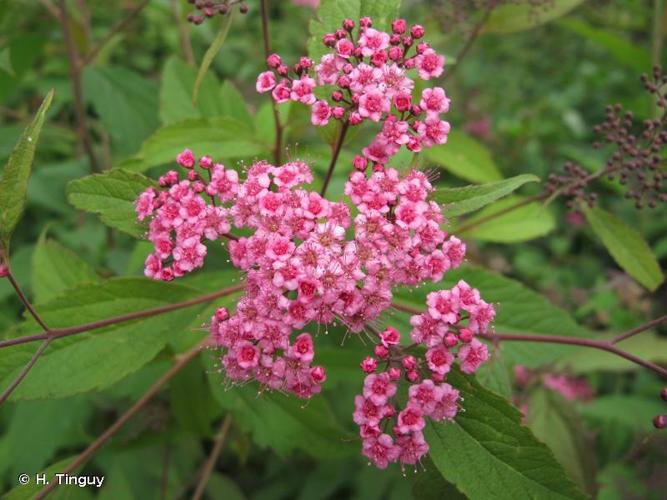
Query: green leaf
x: 512, y: 18
x: 55, y: 269
x: 625, y: 52
x: 233, y: 105
x: 465, y: 157
x: 285, y: 423
x: 626, y: 246
x: 97, y: 359
x: 111, y: 195
x: 15, y: 176
x: 555, y: 422
x: 634, y: 412
x: 518, y: 310
x: 495, y: 376
x: 647, y: 346
x: 331, y: 13
x: 212, y: 51
x: 520, y: 224
x: 461, y: 200
x: 430, y: 485
x: 222, y: 138
x: 190, y: 398
x: 487, y: 453
x: 176, y: 90
x: 126, y: 103
x: 6, y: 62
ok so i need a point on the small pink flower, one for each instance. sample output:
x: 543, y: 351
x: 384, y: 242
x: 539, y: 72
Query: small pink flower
x: 381, y: 450
x: 372, y: 41
x: 429, y: 64
x: 282, y: 92
x: 472, y: 355
x: 439, y: 360
x: 265, y: 82
x: 186, y: 159
x: 302, y: 90
x: 434, y: 100
x: 379, y: 388
x: 320, y: 113
x: 390, y: 337
x: 372, y: 104
x: 410, y: 420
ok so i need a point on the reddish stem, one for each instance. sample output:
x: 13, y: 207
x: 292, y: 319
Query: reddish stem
x: 181, y: 361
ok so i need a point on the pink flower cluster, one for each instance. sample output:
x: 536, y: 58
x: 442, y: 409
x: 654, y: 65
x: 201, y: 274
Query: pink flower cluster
x: 447, y: 330
x: 181, y: 218
x: 370, y: 75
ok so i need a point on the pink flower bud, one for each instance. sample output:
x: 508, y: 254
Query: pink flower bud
x: 390, y: 336
x: 389, y: 411
x: 318, y: 374
x: 198, y: 186
x: 409, y: 363
x: 465, y: 335
x: 273, y: 61
x: 366, y: 22
x: 4, y: 271
x: 306, y: 62
x: 348, y: 24
x: 344, y: 82
x: 222, y: 314
x: 378, y: 167
x: 421, y: 47
x: 381, y: 351
x: 355, y: 118
x: 395, y: 53
x: 329, y: 39
x: 450, y: 340
x: 337, y: 95
x: 416, y: 110
x: 409, y: 63
x: 412, y: 376
x: 283, y: 70
x: 358, y: 53
x: 395, y: 40
x: 192, y: 175
x: 205, y: 162
x: 407, y: 41
x: 417, y: 31
x: 660, y: 421
x: 379, y: 58
x: 360, y: 163
x: 341, y: 33
x: 347, y: 68
x: 369, y: 364
x: 663, y: 394
x: 399, y: 26
x: 338, y: 112
x: 394, y: 373
x: 437, y: 377
x: 186, y: 159
x: 402, y: 101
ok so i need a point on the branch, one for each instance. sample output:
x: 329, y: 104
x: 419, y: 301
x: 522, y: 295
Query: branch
x: 90, y: 57
x: 57, y: 333
x: 469, y: 42
x: 334, y: 158
x: 602, y: 345
x: 24, y: 372
x: 181, y: 361
x: 277, y: 151
x: 77, y: 92
x: 213, y: 457
x: 26, y: 302
x: 639, y: 329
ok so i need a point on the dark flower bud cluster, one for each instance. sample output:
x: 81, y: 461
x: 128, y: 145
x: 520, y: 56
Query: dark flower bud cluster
x: 637, y: 161
x: 209, y: 8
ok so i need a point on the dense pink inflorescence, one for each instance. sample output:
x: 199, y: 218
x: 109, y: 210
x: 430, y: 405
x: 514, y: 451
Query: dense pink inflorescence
x: 310, y: 260
x: 447, y: 333
x: 370, y: 76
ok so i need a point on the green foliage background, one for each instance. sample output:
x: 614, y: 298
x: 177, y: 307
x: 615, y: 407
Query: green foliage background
x: 524, y: 101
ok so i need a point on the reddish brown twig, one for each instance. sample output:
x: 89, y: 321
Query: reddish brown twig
x: 119, y: 26
x: 469, y: 42
x: 181, y: 361
x: 213, y: 457
x: 57, y: 333
x: 24, y: 372
x: 76, y: 67
x: 25, y: 301
x: 334, y: 157
x: 277, y: 151
x: 603, y: 345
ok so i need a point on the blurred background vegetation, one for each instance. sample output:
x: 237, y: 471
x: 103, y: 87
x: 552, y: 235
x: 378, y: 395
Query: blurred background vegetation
x: 522, y: 102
